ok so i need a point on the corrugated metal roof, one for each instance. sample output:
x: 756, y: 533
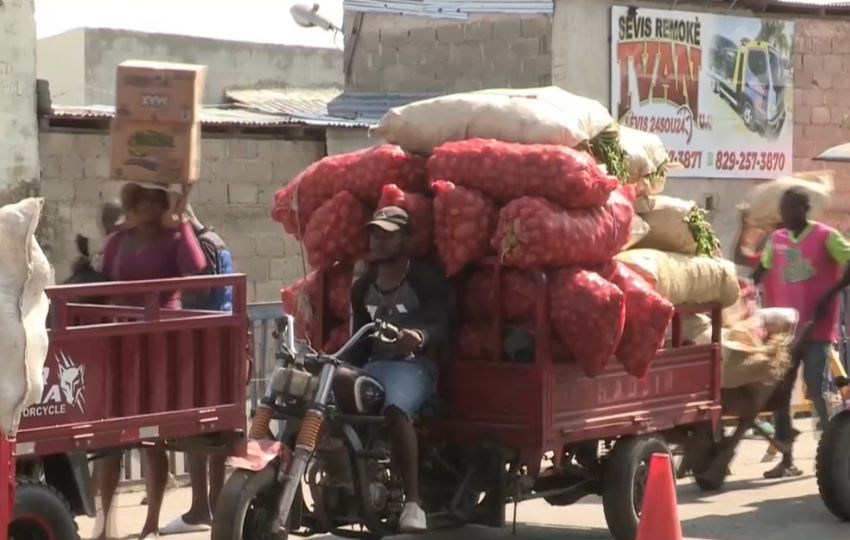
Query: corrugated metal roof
x: 370, y: 107
x: 451, y: 9
x: 815, y: 3
x: 219, y: 116
x: 301, y: 102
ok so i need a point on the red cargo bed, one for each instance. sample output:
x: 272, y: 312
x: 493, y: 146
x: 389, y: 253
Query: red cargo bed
x: 117, y: 375
x: 547, y: 405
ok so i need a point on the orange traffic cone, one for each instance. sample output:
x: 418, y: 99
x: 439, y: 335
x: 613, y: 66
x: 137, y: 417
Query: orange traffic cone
x: 659, y: 519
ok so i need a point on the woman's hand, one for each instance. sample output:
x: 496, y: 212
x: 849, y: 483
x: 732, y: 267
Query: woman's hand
x: 180, y: 207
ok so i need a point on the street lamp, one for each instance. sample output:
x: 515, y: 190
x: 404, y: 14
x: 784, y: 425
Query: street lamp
x: 308, y: 16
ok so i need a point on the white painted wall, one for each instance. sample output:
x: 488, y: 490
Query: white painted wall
x: 18, y: 126
x: 581, y: 63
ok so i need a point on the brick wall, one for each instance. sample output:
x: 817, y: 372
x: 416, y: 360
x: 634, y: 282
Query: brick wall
x: 397, y: 53
x: 234, y: 195
x: 821, y: 101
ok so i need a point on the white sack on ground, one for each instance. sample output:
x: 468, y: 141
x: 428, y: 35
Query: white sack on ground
x: 762, y: 203
x: 547, y: 115
x: 24, y: 273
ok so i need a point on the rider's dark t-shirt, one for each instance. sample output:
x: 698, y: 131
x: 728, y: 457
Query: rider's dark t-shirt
x: 424, y: 302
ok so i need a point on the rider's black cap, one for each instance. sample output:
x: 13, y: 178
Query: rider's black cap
x: 390, y: 219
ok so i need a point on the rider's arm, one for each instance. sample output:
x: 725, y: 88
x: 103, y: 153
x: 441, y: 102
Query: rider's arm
x: 359, y: 354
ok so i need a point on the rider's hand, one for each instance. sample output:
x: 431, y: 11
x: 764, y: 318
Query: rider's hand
x: 409, y: 342
x: 182, y: 203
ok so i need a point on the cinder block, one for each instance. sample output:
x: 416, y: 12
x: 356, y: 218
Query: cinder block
x: 478, y: 31
x: 268, y: 291
x: 50, y: 165
x: 392, y: 37
x: 820, y: 115
x: 411, y: 55
x: 208, y: 169
x: 214, y: 149
x: 468, y: 55
x: 450, y: 33
x: 839, y: 82
x: 525, y: 47
x: 368, y: 39
x: 507, y: 29
x: 240, y: 247
x: 242, y: 193
x: 57, y: 189
x: 210, y: 191
x: 823, y: 80
x: 52, y: 142
x: 71, y: 166
x: 841, y: 45
x: 287, y: 270
x: 242, y: 149
x: 536, y: 26
x: 292, y: 247
x: 87, y: 190
x: 813, y: 62
x: 821, y: 45
x: 811, y: 96
x: 422, y: 37
x: 256, y: 268
x: 833, y: 63
x: 95, y: 166
x: 803, y: 114
x: 271, y: 245
x: 437, y: 55
x: 536, y: 66
x: 384, y: 56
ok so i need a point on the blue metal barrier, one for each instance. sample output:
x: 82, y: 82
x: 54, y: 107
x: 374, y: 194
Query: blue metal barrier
x: 263, y: 320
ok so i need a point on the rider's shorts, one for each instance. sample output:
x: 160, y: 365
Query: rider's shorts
x: 409, y: 384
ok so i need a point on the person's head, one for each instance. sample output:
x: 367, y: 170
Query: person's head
x: 388, y: 232
x: 147, y: 204
x: 794, y: 208
x: 111, y: 217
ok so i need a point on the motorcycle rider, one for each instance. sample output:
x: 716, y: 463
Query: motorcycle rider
x: 419, y: 301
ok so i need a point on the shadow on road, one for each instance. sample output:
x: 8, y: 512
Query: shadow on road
x: 777, y: 519
x: 525, y: 531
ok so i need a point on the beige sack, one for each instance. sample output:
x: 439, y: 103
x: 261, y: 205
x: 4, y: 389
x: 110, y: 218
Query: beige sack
x: 762, y: 203
x: 685, y: 280
x: 668, y: 226
x: 24, y: 273
x: 639, y: 230
x: 536, y: 115
x: 696, y: 329
x: 747, y: 360
x: 646, y: 155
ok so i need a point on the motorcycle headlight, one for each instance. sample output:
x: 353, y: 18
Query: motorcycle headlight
x: 293, y: 383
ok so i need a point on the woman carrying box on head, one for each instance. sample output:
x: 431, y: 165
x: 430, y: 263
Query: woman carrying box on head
x: 157, y: 242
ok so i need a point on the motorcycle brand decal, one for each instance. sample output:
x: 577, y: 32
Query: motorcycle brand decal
x: 64, y: 389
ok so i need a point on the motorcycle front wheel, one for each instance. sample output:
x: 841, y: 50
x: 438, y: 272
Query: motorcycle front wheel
x: 247, y: 506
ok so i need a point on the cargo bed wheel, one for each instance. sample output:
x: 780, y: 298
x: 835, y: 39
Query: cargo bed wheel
x: 41, y: 513
x: 624, y: 481
x: 833, y: 467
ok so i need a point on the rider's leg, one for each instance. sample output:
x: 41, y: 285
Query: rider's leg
x: 217, y: 468
x: 408, y: 385
x: 108, y: 473
x: 199, y: 511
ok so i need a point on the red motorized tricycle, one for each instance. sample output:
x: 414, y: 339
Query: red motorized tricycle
x: 505, y: 432
x: 118, y: 377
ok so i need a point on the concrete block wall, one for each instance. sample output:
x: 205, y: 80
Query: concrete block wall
x: 821, y: 102
x: 234, y: 196
x: 396, y: 53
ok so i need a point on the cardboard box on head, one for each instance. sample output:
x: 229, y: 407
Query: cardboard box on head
x: 164, y: 152
x: 159, y: 91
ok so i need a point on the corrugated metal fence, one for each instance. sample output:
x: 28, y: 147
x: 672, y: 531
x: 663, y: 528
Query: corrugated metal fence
x: 263, y: 320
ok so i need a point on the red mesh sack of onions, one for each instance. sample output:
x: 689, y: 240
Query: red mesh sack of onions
x: 533, y: 232
x: 300, y: 301
x: 420, y: 209
x: 648, y: 315
x: 507, y: 171
x: 339, y: 280
x: 338, y: 336
x: 476, y: 341
x: 518, y: 295
x: 337, y: 231
x: 587, y: 313
x: 363, y: 173
x: 464, y: 221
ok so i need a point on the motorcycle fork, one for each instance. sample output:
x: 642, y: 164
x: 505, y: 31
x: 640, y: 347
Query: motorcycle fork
x: 305, y: 445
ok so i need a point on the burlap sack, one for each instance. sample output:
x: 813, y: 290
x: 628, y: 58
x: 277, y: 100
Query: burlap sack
x: 639, y: 230
x: 747, y: 360
x: 685, y: 280
x: 24, y: 274
x: 762, y: 203
x: 668, y: 224
x: 536, y: 115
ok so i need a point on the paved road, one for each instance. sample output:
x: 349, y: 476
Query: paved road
x: 749, y: 507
